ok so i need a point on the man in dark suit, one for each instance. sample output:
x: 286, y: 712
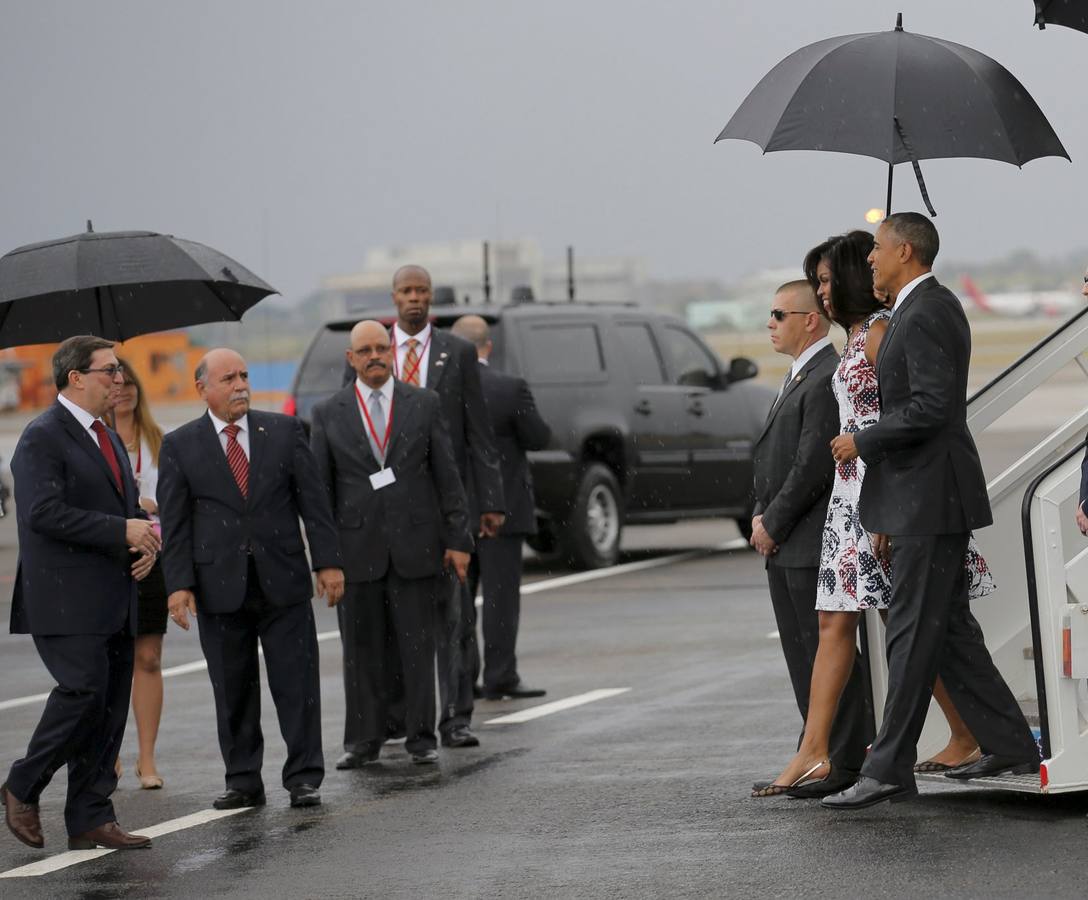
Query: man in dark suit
x: 923, y: 493
x: 232, y: 487
x: 384, y: 454
x: 793, y: 473
x: 79, y: 527
x: 497, y: 562
x: 427, y: 357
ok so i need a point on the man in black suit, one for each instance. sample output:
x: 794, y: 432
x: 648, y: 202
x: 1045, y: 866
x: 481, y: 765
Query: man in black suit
x: 79, y: 526
x: 923, y: 493
x: 497, y: 563
x: 793, y: 473
x: 384, y: 454
x: 427, y: 357
x: 232, y: 487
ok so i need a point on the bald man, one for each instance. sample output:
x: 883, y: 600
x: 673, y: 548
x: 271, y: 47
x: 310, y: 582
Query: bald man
x: 386, y: 459
x: 233, y: 485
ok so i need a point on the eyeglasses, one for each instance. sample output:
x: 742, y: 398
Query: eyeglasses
x: 110, y: 371
x: 779, y: 315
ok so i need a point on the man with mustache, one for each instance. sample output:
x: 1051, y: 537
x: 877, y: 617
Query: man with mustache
x: 233, y: 485
x: 384, y: 455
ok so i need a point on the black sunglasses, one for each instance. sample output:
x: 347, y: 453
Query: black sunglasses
x: 779, y: 315
x: 110, y: 371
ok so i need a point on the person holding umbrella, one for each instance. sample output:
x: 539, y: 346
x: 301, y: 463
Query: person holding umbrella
x: 923, y: 493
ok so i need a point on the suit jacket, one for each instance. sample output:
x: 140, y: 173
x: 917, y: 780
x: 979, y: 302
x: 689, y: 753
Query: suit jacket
x: 923, y: 473
x: 210, y: 530
x: 414, y: 520
x: 792, y: 464
x: 74, y: 566
x: 518, y: 427
x: 453, y: 372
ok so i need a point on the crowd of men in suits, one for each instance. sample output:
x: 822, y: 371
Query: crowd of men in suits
x: 412, y: 489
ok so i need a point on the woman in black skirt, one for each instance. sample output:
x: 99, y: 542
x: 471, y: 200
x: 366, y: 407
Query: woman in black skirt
x: 143, y: 438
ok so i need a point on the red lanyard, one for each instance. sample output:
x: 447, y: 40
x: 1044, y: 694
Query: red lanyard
x: 419, y: 360
x: 380, y: 444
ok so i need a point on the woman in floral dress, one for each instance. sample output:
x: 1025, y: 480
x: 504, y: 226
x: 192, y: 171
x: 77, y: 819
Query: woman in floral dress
x: 853, y: 576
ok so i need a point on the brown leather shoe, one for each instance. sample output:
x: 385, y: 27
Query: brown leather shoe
x: 109, y: 836
x: 22, y: 818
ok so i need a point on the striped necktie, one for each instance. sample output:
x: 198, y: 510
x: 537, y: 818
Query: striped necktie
x: 411, y: 363
x: 236, y: 459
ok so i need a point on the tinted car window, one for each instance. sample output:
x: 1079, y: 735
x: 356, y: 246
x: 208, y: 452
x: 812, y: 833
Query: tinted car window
x: 563, y: 351
x: 323, y: 370
x: 692, y: 364
x: 640, y: 353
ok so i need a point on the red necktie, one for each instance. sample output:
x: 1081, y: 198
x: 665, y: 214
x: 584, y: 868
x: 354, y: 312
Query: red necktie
x: 411, y: 363
x: 106, y: 446
x: 236, y: 459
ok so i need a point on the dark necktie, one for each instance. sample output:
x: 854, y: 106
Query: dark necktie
x: 106, y: 446
x: 236, y: 459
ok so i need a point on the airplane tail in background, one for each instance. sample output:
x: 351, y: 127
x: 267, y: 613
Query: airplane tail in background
x: 975, y: 295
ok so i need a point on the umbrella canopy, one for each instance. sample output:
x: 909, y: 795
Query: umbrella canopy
x: 1070, y: 13
x: 118, y: 285
x: 898, y: 97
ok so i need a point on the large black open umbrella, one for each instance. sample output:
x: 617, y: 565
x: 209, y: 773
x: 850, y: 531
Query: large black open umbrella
x: 117, y: 285
x: 1070, y: 13
x: 896, y: 96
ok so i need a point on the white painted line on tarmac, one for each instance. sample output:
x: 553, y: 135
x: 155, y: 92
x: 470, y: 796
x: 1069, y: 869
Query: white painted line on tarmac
x: 74, y: 857
x: 535, y: 587
x: 546, y: 709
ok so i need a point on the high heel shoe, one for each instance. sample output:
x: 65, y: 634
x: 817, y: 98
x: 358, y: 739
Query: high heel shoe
x: 148, y: 782
x: 775, y: 790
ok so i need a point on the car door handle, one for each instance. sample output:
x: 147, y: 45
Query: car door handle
x: 697, y: 409
x: 643, y: 407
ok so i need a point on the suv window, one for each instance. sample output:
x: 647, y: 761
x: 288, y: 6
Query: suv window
x: 566, y: 352
x: 323, y: 369
x: 694, y: 366
x: 640, y: 353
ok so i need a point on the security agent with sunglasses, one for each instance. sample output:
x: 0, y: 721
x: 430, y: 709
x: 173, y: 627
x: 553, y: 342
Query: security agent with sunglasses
x: 83, y: 544
x: 793, y: 472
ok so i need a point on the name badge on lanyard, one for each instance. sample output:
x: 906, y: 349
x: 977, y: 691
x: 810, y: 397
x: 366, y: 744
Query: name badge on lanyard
x: 383, y: 477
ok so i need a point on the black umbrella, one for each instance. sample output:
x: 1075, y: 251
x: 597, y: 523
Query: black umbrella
x: 896, y: 96
x: 117, y: 285
x: 1070, y: 13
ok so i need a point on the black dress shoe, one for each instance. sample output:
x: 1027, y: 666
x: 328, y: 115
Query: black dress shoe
x: 425, y: 757
x: 232, y: 799
x: 868, y: 792
x: 825, y: 787
x: 460, y: 737
x: 353, y: 760
x: 513, y: 692
x: 305, y: 795
x: 990, y: 764
x: 477, y: 692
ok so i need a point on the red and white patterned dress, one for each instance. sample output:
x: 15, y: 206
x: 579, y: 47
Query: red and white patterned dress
x: 851, y: 577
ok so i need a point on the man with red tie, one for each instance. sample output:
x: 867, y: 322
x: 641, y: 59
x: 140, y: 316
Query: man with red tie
x: 233, y: 485
x: 83, y: 544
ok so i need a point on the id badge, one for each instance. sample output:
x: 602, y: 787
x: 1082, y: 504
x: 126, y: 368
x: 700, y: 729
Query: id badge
x: 382, y: 478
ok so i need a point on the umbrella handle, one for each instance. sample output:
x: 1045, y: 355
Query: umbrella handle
x: 917, y: 171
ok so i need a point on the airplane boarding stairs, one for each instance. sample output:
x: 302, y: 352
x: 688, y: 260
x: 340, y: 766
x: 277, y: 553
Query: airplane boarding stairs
x: 1036, y: 622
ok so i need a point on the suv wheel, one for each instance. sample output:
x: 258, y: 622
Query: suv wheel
x: 591, y: 534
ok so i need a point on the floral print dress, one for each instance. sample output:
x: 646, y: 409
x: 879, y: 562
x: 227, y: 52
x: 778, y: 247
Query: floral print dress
x: 851, y: 577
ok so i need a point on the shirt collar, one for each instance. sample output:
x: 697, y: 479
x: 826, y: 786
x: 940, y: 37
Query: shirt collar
x: 802, y: 360
x: 366, y: 390
x: 219, y: 424
x: 908, y: 287
x: 400, y: 338
x: 82, y: 416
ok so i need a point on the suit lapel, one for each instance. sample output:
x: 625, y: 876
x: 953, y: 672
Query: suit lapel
x: 791, y: 387
x: 89, y: 443
x: 897, y: 318
x: 353, y: 422
x: 258, y: 439
x: 404, y: 408
x: 213, y: 450
x: 438, y: 358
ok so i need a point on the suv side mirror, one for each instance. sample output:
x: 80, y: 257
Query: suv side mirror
x: 741, y: 368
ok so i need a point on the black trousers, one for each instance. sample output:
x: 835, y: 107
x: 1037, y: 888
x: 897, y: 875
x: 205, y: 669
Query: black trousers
x: 373, y: 616
x: 793, y: 596
x: 289, y: 640
x: 82, y: 725
x: 930, y: 630
x: 497, y: 567
x: 455, y: 640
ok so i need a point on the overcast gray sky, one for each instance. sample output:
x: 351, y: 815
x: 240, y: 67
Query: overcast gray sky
x: 294, y: 135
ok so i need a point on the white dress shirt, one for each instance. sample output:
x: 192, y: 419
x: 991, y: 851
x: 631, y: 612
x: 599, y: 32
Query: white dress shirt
x: 82, y: 416
x: 243, y: 434
x: 386, y: 391
x: 802, y: 360
x: 400, y: 342
x: 907, y: 288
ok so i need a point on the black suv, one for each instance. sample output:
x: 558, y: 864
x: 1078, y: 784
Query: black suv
x: 647, y: 424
